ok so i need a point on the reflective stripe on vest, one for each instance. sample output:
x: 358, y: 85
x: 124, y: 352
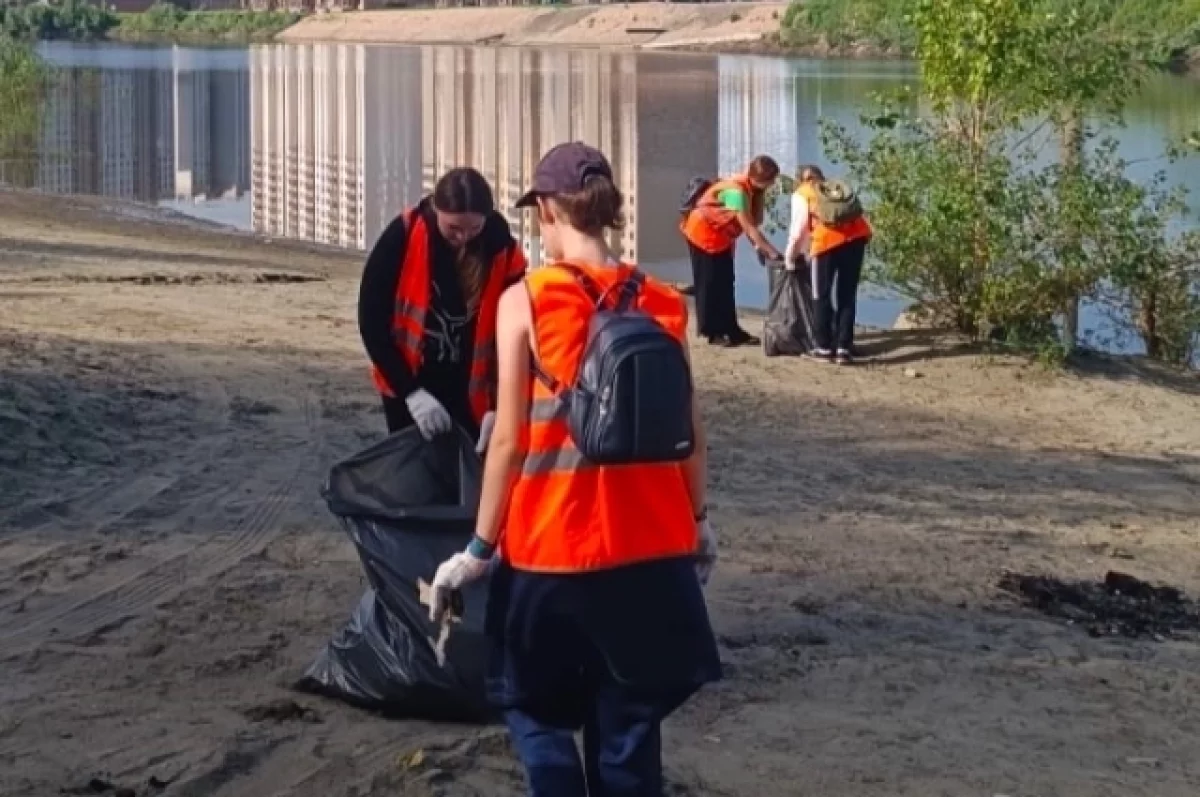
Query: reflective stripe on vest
x: 567, y: 514
x: 412, y: 303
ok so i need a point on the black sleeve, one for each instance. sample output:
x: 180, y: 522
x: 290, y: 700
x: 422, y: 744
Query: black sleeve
x: 377, y: 304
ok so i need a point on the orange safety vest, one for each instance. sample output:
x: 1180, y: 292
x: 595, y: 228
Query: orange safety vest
x: 566, y: 514
x: 826, y: 237
x: 710, y: 226
x: 412, y: 305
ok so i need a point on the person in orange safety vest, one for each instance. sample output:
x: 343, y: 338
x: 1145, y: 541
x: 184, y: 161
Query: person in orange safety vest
x: 834, y: 256
x: 596, y: 617
x: 427, y: 308
x: 724, y: 212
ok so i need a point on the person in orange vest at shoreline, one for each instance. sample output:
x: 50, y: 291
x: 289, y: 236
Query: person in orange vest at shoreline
x: 722, y: 213
x: 427, y: 308
x: 834, y: 255
x: 596, y: 617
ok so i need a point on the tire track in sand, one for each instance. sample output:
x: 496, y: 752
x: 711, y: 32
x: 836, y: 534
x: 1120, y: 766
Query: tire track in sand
x: 114, y: 498
x: 92, y: 511
x: 114, y: 605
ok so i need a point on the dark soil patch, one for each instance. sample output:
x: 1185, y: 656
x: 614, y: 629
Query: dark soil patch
x: 100, y: 786
x: 1120, y: 605
x: 281, y: 711
x: 182, y: 278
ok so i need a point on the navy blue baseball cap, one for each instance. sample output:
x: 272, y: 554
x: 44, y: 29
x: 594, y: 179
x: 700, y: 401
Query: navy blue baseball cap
x: 565, y: 169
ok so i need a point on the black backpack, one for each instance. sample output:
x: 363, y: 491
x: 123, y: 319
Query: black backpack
x: 691, y: 195
x: 632, y: 398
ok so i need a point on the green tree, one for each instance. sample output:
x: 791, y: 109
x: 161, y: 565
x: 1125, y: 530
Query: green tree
x: 969, y: 221
x: 22, y: 82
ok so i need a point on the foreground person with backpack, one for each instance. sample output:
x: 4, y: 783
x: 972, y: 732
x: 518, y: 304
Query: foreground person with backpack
x: 596, y: 473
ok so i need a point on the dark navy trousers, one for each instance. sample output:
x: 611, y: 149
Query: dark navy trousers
x: 610, y: 653
x: 621, y: 757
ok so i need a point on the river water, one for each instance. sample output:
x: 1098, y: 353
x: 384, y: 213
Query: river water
x: 328, y: 142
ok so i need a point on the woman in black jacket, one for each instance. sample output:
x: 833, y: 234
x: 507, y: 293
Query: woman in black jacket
x: 427, y: 307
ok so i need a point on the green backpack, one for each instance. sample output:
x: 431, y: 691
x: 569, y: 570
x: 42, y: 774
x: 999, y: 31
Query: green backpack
x: 837, y: 203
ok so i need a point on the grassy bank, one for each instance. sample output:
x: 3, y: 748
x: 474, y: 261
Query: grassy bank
x: 82, y: 21
x: 168, y: 23
x: 77, y: 21
x: 1166, y: 33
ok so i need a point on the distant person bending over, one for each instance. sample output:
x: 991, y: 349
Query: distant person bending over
x: 835, y: 253
x: 727, y: 209
x: 800, y: 226
x: 427, y: 308
x: 596, y: 618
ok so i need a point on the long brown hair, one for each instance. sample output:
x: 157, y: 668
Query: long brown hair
x: 809, y: 172
x: 763, y: 169
x: 465, y: 190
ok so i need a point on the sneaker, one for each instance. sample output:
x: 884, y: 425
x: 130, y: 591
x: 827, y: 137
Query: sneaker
x: 844, y: 357
x: 819, y: 355
x: 721, y: 341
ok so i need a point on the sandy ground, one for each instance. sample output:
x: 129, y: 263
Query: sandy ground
x: 617, y: 25
x: 170, y: 398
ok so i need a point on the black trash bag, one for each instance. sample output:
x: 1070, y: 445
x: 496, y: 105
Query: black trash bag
x: 788, y: 325
x: 408, y: 505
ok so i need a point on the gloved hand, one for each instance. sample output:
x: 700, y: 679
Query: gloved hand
x: 485, y: 431
x: 769, y: 255
x: 428, y: 413
x: 706, y: 551
x: 453, y: 574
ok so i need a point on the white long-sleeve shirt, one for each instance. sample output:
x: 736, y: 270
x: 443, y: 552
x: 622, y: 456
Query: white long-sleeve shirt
x: 799, y: 230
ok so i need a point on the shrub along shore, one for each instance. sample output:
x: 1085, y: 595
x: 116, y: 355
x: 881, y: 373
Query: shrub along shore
x: 1164, y: 34
x: 1161, y: 33
x: 162, y: 22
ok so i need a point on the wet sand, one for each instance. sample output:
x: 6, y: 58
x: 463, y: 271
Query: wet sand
x: 171, y: 397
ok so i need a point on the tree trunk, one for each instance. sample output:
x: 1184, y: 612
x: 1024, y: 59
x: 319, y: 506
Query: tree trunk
x: 1071, y: 144
x: 1148, y: 321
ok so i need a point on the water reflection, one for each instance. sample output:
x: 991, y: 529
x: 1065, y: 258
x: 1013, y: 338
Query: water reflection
x: 173, y: 128
x: 329, y: 142
x: 344, y: 136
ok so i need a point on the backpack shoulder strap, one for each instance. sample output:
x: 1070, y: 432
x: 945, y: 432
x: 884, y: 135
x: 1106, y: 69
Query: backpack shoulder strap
x: 587, y: 283
x: 630, y: 289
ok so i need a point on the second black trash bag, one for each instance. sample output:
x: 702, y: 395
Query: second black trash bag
x: 788, y: 324
x: 408, y: 505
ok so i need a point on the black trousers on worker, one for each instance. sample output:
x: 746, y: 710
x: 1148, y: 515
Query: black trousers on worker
x: 835, y: 278
x: 716, y: 306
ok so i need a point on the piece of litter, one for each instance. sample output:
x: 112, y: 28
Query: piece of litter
x: 425, y: 596
x: 413, y: 761
x: 1142, y: 762
x: 713, y: 739
x: 912, y: 373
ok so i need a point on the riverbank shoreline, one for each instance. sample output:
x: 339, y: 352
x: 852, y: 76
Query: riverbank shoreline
x: 172, y: 396
x: 651, y: 25
x: 738, y: 28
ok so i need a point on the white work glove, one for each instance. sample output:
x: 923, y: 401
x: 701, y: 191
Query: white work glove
x: 453, y: 574
x: 485, y: 431
x: 706, y: 550
x: 428, y: 413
